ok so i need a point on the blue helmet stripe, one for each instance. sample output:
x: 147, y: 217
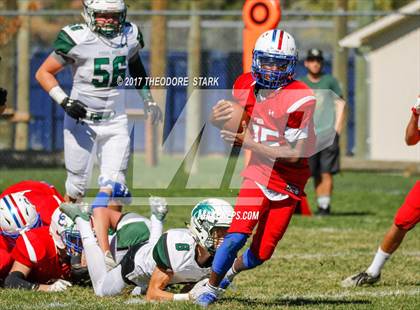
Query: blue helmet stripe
x: 12, y: 213
x: 273, y: 38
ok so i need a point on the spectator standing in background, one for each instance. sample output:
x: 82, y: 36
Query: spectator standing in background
x: 328, y: 116
x: 3, y: 99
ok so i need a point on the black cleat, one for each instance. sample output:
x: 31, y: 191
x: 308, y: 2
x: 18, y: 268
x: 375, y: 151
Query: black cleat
x: 323, y: 212
x: 360, y: 279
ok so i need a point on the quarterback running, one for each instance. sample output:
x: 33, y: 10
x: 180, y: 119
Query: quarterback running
x: 101, y: 52
x: 280, y: 137
x: 406, y: 218
x: 149, y: 259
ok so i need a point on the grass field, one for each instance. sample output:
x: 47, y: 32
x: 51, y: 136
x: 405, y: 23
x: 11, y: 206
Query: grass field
x: 308, y: 265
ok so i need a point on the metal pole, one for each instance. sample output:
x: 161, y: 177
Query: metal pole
x: 340, y: 62
x: 361, y: 88
x: 158, y: 69
x: 23, y: 63
x: 194, y: 70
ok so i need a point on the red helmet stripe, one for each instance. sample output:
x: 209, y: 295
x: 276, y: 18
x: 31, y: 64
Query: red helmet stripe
x: 280, y: 40
x: 22, y: 218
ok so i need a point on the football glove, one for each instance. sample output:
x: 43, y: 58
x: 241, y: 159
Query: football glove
x: 154, y: 112
x: 3, y: 96
x: 59, y: 286
x: 416, y: 107
x: 74, y: 108
x: 205, y: 294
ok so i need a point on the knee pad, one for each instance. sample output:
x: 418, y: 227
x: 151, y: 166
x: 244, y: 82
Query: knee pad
x: 250, y: 260
x: 118, y: 177
x: 227, y: 252
x: 75, y: 185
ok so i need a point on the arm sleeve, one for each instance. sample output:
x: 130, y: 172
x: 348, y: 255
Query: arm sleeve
x: 161, y: 254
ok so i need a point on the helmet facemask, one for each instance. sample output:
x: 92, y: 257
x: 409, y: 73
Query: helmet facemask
x: 72, y: 241
x: 215, y: 238
x: 271, y: 70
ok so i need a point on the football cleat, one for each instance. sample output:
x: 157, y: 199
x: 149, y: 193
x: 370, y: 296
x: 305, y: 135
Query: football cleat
x: 206, y: 299
x: 225, y: 283
x: 158, y: 207
x: 323, y: 212
x: 72, y: 210
x: 360, y: 279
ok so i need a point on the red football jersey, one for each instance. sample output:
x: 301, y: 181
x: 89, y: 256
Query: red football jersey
x: 284, y: 116
x: 36, y: 250
x: 42, y: 195
x: 6, y: 260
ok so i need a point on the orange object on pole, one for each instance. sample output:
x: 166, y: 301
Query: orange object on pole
x: 258, y: 16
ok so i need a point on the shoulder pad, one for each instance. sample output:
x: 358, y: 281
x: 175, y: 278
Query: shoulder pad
x: 70, y: 36
x: 243, y: 85
x: 134, y: 33
x: 30, y: 247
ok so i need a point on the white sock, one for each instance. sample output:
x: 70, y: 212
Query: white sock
x: 94, y: 256
x: 378, y: 262
x: 324, y: 202
x: 231, y: 274
x: 86, y: 231
x: 156, y: 229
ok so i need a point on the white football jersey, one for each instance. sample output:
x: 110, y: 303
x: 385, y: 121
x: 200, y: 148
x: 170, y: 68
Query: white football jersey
x: 175, y: 251
x: 98, y: 64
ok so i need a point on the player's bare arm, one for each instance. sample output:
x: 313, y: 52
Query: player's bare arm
x: 46, y: 78
x: 286, y: 152
x: 160, y: 279
x: 412, y: 133
x: 47, y: 72
x: 17, y: 279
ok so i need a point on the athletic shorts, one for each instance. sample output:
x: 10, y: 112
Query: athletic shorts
x: 409, y: 214
x: 327, y: 160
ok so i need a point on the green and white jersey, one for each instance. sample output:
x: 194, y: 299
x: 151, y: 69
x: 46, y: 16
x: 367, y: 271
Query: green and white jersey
x: 132, y: 229
x: 98, y: 64
x: 175, y: 251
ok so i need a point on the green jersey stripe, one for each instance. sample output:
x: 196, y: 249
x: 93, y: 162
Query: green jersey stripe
x: 161, y: 254
x: 64, y: 43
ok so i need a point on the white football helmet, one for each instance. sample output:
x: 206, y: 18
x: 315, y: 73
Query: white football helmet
x: 17, y: 215
x: 207, y: 215
x: 94, y: 7
x: 274, y: 59
x: 64, y: 233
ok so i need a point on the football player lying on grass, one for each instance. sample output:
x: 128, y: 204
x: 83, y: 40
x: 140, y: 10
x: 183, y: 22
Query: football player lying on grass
x: 42, y: 257
x: 152, y: 263
x: 37, y: 237
x: 23, y: 206
x: 405, y: 219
